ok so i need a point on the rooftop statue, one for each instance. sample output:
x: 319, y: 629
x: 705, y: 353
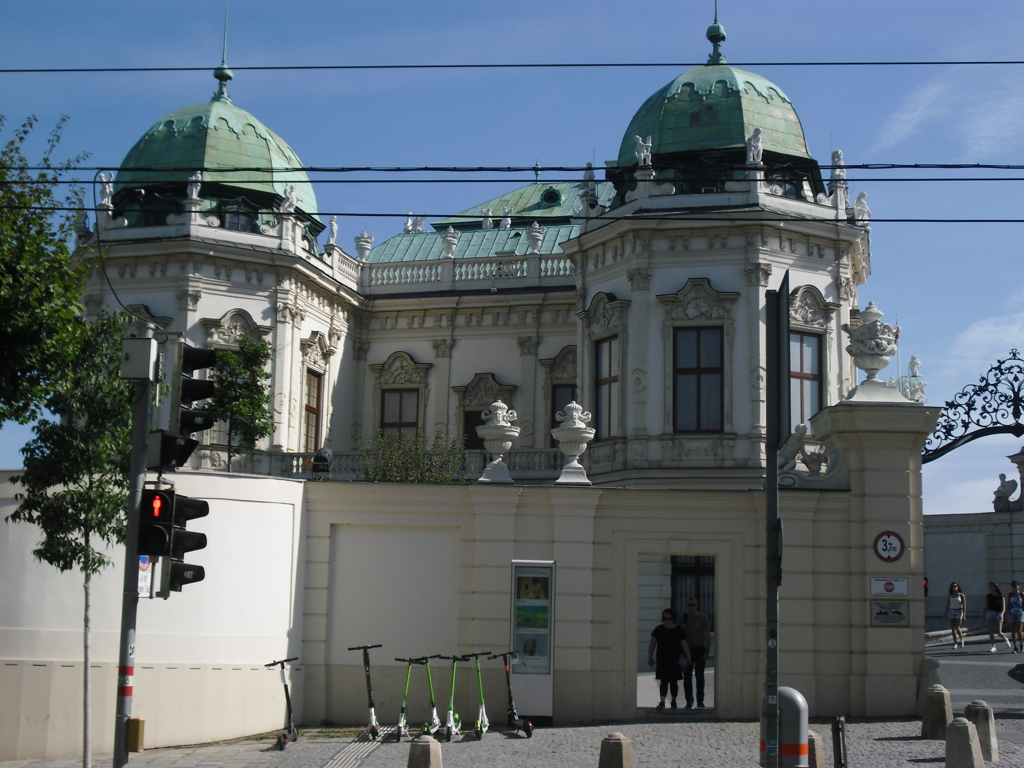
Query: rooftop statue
x: 107, y: 187
x: 861, y: 212
x: 506, y: 218
x: 838, y: 166
x: 643, y: 150
x: 407, y: 229
x: 334, y: 231
x: 194, y: 182
x: 913, y: 385
x: 291, y: 199
x: 754, y: 148
x: 1005, y: 490
x: 488, y: 222
x: 588, y: 179
x: 417, y: 225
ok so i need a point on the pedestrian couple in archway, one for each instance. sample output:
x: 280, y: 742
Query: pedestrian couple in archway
x: 679, y: 652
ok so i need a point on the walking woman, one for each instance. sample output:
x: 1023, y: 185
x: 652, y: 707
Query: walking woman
x: 670, y: 642
x: 956, y: 611
x: 1015, y: 616
x: 995, y: 607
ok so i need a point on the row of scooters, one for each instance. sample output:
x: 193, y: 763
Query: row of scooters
x: 453, y: 723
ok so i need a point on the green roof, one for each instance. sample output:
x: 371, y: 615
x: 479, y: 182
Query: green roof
x: 474, y: 243
x: 536, y: 202
x: 214, y: 135
x: 715, y: 107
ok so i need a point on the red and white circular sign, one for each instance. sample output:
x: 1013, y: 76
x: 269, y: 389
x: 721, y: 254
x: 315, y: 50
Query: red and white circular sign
x: 889, y: 547
x: 889, y: 586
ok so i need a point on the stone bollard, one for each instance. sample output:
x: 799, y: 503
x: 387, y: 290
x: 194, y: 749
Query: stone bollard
x: 616, y: 752
x: 962, y: 748
x: 938, y: 713
x: 815, y: 750
x: 424, y: 752
x: 980, y: 713
x: 929, y: 677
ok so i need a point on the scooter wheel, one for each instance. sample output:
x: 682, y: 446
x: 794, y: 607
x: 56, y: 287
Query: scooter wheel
x: 374, y: 733
x: 447, y: 733
x: 282, y: 741
x: 528, y: 729
x: 398, y: 734
x: 479, y: 733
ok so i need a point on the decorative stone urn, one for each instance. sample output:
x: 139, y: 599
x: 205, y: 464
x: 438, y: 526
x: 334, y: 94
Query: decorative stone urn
x: 450, y: 240
x: 535, y: 237
x: 572, y: 437
x: 498, y: 434
x: 872, y: 345
x: 364, y: 242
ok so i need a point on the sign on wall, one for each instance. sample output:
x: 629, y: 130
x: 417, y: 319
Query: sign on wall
x: 531, y: 618
x: 886, y: 586
x: 889, y: 546
x: 890, y: 613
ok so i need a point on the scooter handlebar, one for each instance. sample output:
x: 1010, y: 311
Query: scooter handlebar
x: 282, y: 661
x: 503, y: 655
x: 361, y: 647
x: 478, y: 653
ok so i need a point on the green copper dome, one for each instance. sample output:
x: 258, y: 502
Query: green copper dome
x: 217, y: 135
x: 715, y: 107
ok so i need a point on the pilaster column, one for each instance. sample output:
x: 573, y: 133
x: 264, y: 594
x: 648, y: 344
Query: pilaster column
x: 532, y: 433
x: 636, y: 377
x: 442, y: 388
x: 281, y: 373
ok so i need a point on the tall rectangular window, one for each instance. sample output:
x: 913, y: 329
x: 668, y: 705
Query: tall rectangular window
x: 471, y: 441
x: 606, y: 361
x: 400, y: 411
x: 314, y: 396
x: 561, y: 396
x: 804, y: 376
x: 698, y: 374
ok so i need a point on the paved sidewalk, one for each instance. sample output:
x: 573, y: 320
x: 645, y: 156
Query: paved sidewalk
x: 707, y: 744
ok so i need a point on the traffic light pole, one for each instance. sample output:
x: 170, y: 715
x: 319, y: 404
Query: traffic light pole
x: 130, y: 595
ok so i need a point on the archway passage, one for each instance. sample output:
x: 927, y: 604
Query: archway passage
x: 993, y: 406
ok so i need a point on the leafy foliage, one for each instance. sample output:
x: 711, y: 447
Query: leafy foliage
x: 243, y: 398
x: 76, y: 468
x: 392, y: 457
x: 40, y: 280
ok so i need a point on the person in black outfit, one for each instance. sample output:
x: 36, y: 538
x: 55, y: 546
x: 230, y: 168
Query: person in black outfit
x: 697, y: 631
x: 671, y: 645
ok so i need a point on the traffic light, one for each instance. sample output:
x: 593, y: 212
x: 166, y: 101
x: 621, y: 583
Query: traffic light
x: 163, y: 521
x: 169, y: 449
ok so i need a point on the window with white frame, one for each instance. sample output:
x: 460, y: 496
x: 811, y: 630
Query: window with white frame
x: 698, y: 379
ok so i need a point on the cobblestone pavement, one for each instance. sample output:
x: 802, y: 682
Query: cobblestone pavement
x: 706, y: 744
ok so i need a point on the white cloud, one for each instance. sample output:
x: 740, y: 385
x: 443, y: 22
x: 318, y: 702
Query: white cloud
x: 922, y: 106
x: 979, y: 345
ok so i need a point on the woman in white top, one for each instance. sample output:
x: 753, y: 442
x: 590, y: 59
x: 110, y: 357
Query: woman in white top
x: 956, y: 611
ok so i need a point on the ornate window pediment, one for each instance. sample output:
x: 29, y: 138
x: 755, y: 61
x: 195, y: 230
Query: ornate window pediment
x: 400, y: 370
x: 316, y: 351
x: 562, y: 367
x: 224, y: 333
x: 483, y: 390
x: 698, y: 300
x: 809, y: 309
x: 606, y: 314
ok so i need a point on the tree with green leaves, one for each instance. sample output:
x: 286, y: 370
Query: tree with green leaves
x: 41, y: 281
x: 75, y: 479
x: 392, y: 457
x: 243, y: 398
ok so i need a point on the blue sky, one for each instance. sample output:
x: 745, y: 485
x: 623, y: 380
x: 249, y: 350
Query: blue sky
x: 956, y: 287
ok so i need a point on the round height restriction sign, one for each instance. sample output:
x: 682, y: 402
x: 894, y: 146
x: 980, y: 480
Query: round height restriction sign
x: 889, y: 546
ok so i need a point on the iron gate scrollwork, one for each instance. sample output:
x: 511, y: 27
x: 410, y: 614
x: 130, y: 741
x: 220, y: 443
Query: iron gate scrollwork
x: 993, y: 406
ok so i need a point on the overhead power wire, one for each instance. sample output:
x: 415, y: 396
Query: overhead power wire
x: 635, y: 216
x: 691, y: 178
x: 524, y: 65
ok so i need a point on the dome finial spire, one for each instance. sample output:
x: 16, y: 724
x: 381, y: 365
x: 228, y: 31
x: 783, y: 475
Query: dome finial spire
x: 223, y: 73
x: 716, y: 34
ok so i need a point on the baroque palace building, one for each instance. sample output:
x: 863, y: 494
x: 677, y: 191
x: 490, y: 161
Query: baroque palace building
x: 641, y: 296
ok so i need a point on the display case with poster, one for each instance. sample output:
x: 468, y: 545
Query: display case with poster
x: 531, y: 617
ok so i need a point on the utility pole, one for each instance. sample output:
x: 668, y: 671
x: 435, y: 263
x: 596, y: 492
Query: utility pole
x: 138, y: 360
x: 777, y: 429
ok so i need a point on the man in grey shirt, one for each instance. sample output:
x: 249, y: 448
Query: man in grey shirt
x: 698, y: 637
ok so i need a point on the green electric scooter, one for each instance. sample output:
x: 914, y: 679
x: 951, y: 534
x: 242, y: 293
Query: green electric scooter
x: 373, y: 728
x: 453, y: 723
x: 482, y: 724
x: 435, y: 724
x: 402, y: 729
x: 514, y: 720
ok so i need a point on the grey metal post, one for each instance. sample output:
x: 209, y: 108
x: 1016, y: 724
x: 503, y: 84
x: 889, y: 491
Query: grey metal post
x: 777, y: 425
x: 130, y: 593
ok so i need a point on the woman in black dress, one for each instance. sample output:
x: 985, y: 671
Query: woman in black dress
x: 667, y: 647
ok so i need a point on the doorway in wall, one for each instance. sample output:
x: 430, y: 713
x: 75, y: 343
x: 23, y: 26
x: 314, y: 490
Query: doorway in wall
x: 670, y: 581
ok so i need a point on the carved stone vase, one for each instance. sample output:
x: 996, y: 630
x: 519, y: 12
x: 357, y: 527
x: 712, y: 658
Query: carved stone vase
x: 572, y: 437
x: 497, y: 434
x: 872, y: 345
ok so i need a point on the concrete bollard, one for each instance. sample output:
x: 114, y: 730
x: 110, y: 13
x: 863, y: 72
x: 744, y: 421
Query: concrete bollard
x: 616, y: 752
x: 815, y: 750
x: 938, y: 713
x: 962, y: 748
x: 424, y: 752
x: 929, y: 677
x: 980, y: 713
